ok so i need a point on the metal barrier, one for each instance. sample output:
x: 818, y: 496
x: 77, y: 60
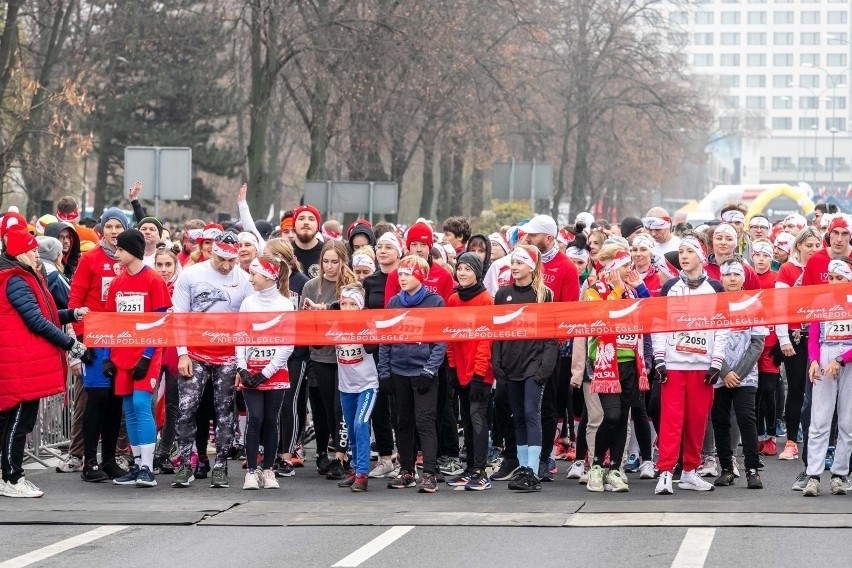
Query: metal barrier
x: 52, y: 431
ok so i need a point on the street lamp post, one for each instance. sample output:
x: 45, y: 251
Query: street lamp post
x: 833, y: 132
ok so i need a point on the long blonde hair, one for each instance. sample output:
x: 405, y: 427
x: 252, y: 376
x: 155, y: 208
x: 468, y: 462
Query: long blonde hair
x: 542, y: 292
x: 346, y: 275
x: 280, y: 251
x: 283, y: 248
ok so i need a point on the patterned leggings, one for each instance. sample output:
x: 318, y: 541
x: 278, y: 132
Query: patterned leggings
x: 190, y: 390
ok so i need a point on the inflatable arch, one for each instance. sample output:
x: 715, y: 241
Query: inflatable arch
x: 768, y: 195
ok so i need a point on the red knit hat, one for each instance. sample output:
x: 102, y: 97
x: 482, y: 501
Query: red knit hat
x: 420, y: 233
x: 307, y: 209
x: 19, y: 241
x: 12, y: 220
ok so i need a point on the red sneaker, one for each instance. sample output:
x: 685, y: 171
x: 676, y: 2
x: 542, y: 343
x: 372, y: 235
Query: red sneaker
x: 571, y: 452
x: 770, y: 448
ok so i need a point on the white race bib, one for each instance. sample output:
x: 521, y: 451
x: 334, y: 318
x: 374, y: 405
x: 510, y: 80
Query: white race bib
x: 837, y: 331
x: 350, y: 354
x: 130, y: 303
x: 625, y: 342
x: 695, y: 342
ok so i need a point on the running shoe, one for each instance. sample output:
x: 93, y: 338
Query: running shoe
x: 780, y: 429
x: 251, y: 482
x: 709, y: 467
x: 551, y: 467
x: 616, y: 482
x: 799, y: 437
x: 577, y: 469
x: 269, y: 481
x: 691, y: 481
x: 336, y: 470
x: 70, y: 465
x: 183, y: 476
x: 507, y: 469
x: 285, y: 470
x: 93, y: 473
x: 571, y: 452
x: 801, y: 482
x: 518, y: 481
x: 202, y: 469
x: 584, y: 479
x: 596, y: 479
x: 22, y: 489
x: 461, y: 480
x: 128, y: 478
x: 164, y: 465
x: 125, y: 461
x: 382, y: 468
x: 404, y: 481
x: 219, y: 477
x: 530, y: 483
x: 495, y: 455
x: 297, y: 461
x: 347, y: 481
x: 839, y: 485
x: 544, y: 472
x: 812, y: 487
x: 559, y: 450
x: 418, y: 463
x: 234, y: 452
x: 770, y: 448
x: 452, y: 466
x: 725, y: 479
x: 428, y: 483
x: 323, y: 463
x: 753, y: 480
x: 735, y: 467
x: 829, y: 457
x: 647, y: 470
x: 790, y: 451
x: 478, y: 482
x: 145, y: 478
x: 632, y: 464
x: 664, y: 484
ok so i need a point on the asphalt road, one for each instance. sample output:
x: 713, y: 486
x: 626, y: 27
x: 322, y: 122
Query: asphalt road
x: 310, y: 522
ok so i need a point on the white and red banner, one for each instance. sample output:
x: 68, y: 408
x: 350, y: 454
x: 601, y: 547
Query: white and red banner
x: 797, y: 305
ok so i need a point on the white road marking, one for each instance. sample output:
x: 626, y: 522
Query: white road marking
x: 371, y: 548
x: 694, y: 548
x: 61, y: 546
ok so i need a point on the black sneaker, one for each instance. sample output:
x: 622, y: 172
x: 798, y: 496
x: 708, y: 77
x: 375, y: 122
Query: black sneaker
x: 323, y: 464
x: 184, y: 476
x: 202, y: 469
x: 725, y: 479
x: 285, y: 469
x: 163, y: 464
x: 428, y: 483
x: 760, y: 464
x: 336, y: 470
x: 507, y: 469
x: 518, y: 481
x: 93, y: 473
x: 234, y: 452
x: 404, y: 480
x: 112, y: 469
x: 219, y: 478
x: 753, y: 479
x: 532, y: 483
x: 544, y: 474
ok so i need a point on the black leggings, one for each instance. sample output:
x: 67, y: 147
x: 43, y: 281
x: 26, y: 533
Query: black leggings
x: 642, y: 429
x: 504, y: 427
x: 325, y: 405
x: 612, y: 433
x: 549, y: 413
x: 15, y: 424
x: 446, y: 423
x: 797, y: 369
x: 262, y: 408
x: 291, y: 421
x: 563, y: 399
x: 206, y: 413
x: 767, y: 384
x: 101, y: 421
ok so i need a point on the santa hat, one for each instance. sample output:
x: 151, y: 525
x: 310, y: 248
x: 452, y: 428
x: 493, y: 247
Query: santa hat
x: 11, y: 220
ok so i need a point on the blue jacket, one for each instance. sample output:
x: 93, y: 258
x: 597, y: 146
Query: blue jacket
x: 411, y: 359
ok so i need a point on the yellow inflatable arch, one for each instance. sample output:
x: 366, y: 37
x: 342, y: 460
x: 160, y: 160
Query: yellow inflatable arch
x: 765, y: 198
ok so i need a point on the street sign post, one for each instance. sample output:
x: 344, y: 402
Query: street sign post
x: 165, y: 172
x: 371, y: 197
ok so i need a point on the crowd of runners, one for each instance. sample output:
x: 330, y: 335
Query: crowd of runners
x: 677, y: 407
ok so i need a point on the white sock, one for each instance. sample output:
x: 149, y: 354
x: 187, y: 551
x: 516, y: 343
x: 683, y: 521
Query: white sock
x: 136, y: 455
x: 243, y: 422
x: 148, y: 455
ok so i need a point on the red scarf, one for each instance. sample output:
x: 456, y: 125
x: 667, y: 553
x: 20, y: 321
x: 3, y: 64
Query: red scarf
x: 605, y: 375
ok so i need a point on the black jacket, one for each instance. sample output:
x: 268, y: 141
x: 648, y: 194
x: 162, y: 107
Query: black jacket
x: 521, y: 359
x: 69, y: 261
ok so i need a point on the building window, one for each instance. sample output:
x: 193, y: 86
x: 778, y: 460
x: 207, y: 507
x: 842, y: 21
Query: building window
x: 730, y: 18
x: 835, y: 60
x: 730, y: 38
x: 730, y: 101
x: 702, y: 59
x: 841, y: 38
x: 756, y: 81
x: 808, y: 103
x: 704, y: 17
x: 782, y: 38
x: 755, y: 103
x: 783, y: 163
x: 678, y: 18
x: 836, y: 80
x: 756, y: 60
x: 782, y: 102
x: 757, y: 17
x: 679, y: 39
x: 809, y: 38
x: 729, y: 124
x: 755, y: 123
x: 838, y: 17
x: 836, y: 164
x: 836, y: 123
x: 782, y: 60
x: 757, y: 38
x: 836, y: 103
x: 807, y: 164
x: 782, y: 123
x: 729, y: 60
x: 809, y: 59
x: 782, y: 81
x: 729, y: 81
x: 810, y: 17
x: 783, y: 17
x: 808, y: 123
x: 810, y: 81
x: 704, y: 39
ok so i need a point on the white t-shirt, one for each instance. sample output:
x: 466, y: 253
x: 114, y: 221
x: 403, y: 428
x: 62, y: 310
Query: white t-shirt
x: 670, y: 246
x: 356, y: 369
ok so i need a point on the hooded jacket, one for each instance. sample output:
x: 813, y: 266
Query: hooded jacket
x: 486, y: 264
x: 72, y: 258
x: 361, y: 229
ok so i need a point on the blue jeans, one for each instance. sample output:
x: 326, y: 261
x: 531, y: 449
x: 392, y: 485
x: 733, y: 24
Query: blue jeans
x: 357, y: 408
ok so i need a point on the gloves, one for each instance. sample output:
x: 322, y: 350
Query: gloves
x: 88, y: 357
x: 141, y: 368
x: 386, y: 386
x: 423, y: 383
x: 479, y: 389
x: 661, y: 373
x: 712, y: 376
x: 251, y: 380
x: 78, y: 350
x: 109, y: 369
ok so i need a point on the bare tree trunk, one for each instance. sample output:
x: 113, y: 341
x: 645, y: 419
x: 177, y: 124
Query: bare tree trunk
x: 445, y: 167
x: 428, y: 195
x: 457, y: 184
x: 477, y: 190
x: 101, y: 180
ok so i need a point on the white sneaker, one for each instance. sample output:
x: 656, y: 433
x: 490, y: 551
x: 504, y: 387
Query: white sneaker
x: 735, y: 465
x: 251, y: 481
x: 2, y: 487
x: 22, y: 488
x: 709, y: 467
x: 647, y: 470
x: 269, y: 481
x: 70, y: 465
x: 577, y: 469
x: 616, y: 482
x: 596, y: 479
x: 664, y: 484
x: 692, y: 481
x: 383, y: 468
x: 584, y: 479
